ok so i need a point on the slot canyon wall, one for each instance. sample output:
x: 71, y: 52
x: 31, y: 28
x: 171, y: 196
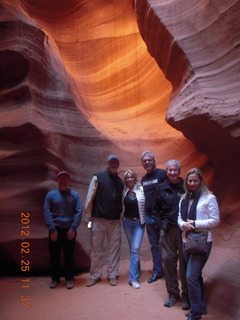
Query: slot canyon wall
x: 82, y: 79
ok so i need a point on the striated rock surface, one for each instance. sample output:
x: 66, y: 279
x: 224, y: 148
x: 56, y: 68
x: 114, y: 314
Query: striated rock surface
x: 42, y: 131
x: 200, y: 41
x: 201, y: 59
x: 82, y: 79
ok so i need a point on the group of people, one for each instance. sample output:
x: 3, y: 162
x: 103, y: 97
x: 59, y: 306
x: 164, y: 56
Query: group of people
x: 163, y: 202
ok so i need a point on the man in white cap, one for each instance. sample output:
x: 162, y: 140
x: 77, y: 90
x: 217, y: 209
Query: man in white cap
x: 62, y: 214
x: 103, y: 209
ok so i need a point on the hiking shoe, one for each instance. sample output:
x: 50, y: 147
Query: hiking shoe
x: 54, y: 284
x: 113, y: 282
x: 91, y: 282
x: 171, y: 302
x: 69, y: 284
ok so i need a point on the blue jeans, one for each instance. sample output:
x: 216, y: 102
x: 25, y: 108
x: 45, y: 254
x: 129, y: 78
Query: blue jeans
x: 134, y: 232
x: 153, y: 231
x: 196, y: 292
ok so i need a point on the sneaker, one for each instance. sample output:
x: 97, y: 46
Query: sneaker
x: 171, y: 302
x: 54, y: 284
x: 135, y: 285
x: 113, y: 282
x: 91, y: 282
x: 69, y: 284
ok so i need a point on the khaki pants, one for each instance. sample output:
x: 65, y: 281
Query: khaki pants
x: 111, y: 229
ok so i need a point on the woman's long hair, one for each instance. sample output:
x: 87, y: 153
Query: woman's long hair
x: 132, y: 173
x: 203, y: 186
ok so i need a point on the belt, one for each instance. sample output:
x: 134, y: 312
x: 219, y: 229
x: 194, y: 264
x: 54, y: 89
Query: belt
x: 132, y: 218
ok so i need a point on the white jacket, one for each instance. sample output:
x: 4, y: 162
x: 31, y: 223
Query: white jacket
x: 207, y: 215
x: 141, y: 202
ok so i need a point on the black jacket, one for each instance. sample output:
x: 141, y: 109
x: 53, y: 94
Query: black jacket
x: 166, y: 204
x: 150, y: 183
x: 107, y: 202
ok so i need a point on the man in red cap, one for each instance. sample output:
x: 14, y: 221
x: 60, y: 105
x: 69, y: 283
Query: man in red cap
x: 103, y: 208
x: 62, y: 214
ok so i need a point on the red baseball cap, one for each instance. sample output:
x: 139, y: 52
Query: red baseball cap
x: 61, y: 173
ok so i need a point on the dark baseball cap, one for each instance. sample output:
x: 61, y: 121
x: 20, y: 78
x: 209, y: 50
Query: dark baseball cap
x: 111, y: 157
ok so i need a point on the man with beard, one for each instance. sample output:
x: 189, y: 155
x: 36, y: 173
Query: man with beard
x: 103, y: 209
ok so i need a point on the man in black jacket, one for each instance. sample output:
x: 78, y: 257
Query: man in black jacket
x: 166, y: 208
x: 150, y: 182
x: 103, y: 209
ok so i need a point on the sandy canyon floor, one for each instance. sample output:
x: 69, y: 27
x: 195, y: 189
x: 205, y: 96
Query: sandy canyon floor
x: 100, y: 302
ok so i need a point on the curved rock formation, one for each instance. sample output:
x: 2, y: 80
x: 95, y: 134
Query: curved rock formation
x: 77, y: 82
x: 201, y: 59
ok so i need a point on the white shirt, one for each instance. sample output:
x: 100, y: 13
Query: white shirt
x: 207, y: 215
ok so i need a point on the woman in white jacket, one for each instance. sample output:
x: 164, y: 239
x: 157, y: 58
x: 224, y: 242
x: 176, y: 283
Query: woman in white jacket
x: 198, y: 210
x: 133, y: 222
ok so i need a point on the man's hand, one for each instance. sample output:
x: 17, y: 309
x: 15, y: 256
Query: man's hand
x: 86, y: 220
x: 54, y: 236
x: 71, y: 234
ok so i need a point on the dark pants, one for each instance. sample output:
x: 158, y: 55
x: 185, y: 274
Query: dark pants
x: 196, y: 292
x: 55, y: 248
x: 172, y: 253
x: 153, y: 231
